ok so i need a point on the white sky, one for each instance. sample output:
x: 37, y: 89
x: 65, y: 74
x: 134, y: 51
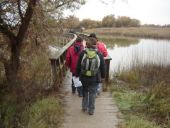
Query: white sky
x: 147, y: 11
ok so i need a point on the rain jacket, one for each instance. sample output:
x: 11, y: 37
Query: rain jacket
x: 72, y: 56
x: 102, y: 48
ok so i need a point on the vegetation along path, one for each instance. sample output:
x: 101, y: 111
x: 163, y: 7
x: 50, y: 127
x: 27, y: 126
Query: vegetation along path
x: 106, y: 113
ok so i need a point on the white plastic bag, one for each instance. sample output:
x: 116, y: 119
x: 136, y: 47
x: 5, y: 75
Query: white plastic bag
x: 76, y: 81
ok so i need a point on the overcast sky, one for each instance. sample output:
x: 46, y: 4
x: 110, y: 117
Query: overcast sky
x: 147, y: 11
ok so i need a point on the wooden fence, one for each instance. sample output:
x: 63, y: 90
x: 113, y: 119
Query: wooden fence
x: 58, y: 62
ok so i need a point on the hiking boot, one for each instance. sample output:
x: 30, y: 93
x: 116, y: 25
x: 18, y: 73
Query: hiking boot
x: 84, y: 109
x: 91, y: 113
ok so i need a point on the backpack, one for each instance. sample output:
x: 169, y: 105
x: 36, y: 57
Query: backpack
x: 77, y: 48
x: 90, y: 63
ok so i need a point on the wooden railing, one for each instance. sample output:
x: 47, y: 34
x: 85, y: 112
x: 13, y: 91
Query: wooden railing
x: 58, y: 61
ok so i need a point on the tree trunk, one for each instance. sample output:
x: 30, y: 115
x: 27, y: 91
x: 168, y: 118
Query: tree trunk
x: 12, y: 66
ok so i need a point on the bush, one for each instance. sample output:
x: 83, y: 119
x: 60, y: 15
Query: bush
x: 153, y: 83
x: 158, y: 100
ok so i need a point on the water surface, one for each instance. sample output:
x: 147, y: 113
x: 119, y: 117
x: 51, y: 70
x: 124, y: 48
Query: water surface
x: 146, y: 51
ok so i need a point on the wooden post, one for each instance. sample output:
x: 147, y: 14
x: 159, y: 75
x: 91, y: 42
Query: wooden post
x: 53, y: 71
x: 107, y: 61
x: 58, y: 76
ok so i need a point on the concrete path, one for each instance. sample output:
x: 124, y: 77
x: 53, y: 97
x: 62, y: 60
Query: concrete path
x: 105, y: 116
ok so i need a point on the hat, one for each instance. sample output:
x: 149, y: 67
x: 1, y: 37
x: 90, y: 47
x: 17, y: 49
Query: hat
x: 93, y: 35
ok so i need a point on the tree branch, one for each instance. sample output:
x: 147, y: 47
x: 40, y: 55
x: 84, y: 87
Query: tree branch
x: 57, y: 5
x: 19, y: 10
x: 25, y: 22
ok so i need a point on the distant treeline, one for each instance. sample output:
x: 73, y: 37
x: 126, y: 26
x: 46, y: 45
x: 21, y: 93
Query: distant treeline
x: 107, y: 21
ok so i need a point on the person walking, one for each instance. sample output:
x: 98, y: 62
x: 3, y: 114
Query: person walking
x: 90, y: 63
x: 100, y: 45
x: 102, y: 48
x: 72, y: 56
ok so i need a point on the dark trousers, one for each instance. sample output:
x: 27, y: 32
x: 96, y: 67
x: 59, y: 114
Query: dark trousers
x: 89, y: 96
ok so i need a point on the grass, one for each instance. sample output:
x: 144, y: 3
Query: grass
x: 128, y: 102
x: 142, y: 32
x: 145, y: 94
x: 45, y: 113
x: 139, y: 122
x: 27, y: 105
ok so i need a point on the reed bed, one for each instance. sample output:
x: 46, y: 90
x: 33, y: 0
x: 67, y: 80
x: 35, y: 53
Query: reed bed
x: 142, y: 32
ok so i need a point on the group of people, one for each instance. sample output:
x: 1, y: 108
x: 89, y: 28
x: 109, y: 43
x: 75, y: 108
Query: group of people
x: 86, y: 62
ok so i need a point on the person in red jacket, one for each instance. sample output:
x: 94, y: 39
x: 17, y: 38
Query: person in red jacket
x: 102, y: 49
x: 100, y: 45
x: 72, y: 56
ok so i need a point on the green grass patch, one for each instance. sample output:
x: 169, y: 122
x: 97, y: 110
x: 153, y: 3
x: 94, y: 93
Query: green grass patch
x: 131, y: 104
x: 8, y: 109
x: 45, y: 113
x: 146, y: 91
x: 138, y: 122
x: 127, y: 99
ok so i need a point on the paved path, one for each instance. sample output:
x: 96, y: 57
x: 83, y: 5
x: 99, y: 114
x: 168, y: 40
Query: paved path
x: 105, y: 116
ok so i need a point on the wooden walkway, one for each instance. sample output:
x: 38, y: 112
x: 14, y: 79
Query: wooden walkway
x: 106, y: 113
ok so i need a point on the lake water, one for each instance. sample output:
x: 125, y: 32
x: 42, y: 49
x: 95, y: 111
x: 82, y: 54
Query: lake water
x: 146, y: 51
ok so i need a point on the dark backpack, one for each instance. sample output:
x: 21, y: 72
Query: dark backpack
x: 77, y: 48
x: 90, y: 63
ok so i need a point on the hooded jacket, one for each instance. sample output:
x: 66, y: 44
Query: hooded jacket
x: 72, y: 56
x: 102, y: 48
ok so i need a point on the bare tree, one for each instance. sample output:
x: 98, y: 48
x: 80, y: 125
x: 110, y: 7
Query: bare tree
x: 15, y: 18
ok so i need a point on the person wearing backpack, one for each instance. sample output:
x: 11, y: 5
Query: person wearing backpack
x: 90, y: 63
x: 100, y: 45
x: 102, y: 48
x: 72, y: 56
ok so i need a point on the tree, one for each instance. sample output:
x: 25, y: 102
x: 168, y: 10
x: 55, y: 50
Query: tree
x: 124, y: 21
x: 71, y: 22
x: 88, y: 23
x: 108, y: 21
x: 15, y: 18
x: 134, y: 23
